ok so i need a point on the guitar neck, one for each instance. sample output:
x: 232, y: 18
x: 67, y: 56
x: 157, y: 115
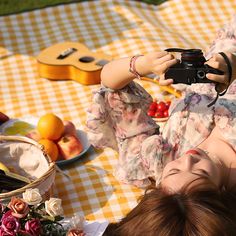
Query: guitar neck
x: 170, y: 89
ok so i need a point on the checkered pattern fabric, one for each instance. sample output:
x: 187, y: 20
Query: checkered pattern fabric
x: 116, y: 27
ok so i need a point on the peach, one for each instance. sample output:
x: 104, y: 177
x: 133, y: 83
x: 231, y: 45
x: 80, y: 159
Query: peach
x: 69, y: 127
x: 69, y: 146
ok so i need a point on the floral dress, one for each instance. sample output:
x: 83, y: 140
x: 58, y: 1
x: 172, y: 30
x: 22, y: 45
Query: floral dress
x: 118, y: 119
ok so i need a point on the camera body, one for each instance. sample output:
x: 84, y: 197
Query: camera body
x: 191, y: 68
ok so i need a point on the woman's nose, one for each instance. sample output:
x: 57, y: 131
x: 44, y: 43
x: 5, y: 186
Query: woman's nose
x: 189, y: 161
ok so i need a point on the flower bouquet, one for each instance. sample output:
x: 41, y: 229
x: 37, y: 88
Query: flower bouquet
x: 30, y: 216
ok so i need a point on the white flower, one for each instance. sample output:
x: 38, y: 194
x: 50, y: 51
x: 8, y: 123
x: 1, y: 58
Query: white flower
x: 32, y: 196
x: 53, y: 207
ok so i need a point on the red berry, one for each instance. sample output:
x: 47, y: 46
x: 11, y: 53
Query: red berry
x: 153, y: 106
x: 168, y: 104
x: 151, y: 113
x: 159, y: 114
x: 166, y: 113
x: 161, y: 106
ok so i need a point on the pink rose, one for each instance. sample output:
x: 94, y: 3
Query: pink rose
x: 19, y: 208
x: 75, y: 232
x: 33, y: 227
x: 4, y: 233
x: 10, y: 224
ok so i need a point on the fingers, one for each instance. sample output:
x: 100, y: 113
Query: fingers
x: 166, y: 65
x: 218, y: 65
x: 164, y: 58
x: 165, y: 82
x: 161, y: 54
x: 156, y: 55
x: 218, y: 62
x: 223, y: 79
x: 161, y: 64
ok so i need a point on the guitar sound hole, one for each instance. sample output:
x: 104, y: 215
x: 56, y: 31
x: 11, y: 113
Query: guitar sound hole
x: 86, y: 59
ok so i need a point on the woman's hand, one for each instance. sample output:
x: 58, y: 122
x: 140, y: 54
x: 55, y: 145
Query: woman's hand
x: 218, y: 62
x: 158, y: 63
x: 119, y: 70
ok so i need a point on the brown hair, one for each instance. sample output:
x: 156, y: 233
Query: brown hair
x: 195, y: 211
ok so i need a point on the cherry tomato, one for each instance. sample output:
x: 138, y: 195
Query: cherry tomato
x: 161, y: 106
x: 151, y: 113
x: 159, y: 114
x: 166, y: 113
x: 168, y: 104
x: 153, y: 106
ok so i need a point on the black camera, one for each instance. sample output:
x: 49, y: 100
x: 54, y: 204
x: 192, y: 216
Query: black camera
x: 191, y: 68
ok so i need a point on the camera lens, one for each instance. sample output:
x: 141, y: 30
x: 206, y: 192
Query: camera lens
x: 192, y: 58
x: 192, y: 55
x: 201, y: 74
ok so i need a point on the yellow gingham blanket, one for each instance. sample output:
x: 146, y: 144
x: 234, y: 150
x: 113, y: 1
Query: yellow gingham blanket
x: 115, y: 27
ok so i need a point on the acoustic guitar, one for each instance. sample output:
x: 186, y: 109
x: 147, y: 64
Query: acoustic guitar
x: 71, y: 61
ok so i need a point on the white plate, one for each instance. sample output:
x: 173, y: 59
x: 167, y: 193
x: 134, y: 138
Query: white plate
x: 23, y: 125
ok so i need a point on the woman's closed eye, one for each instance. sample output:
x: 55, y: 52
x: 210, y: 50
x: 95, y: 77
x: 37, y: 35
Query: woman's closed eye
x: 172, y: 172
x: 201, y: 172
x: 198, y: 172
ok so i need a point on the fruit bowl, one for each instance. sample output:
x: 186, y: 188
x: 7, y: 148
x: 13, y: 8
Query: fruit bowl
x: 23, y: 125
x: 159, y: 110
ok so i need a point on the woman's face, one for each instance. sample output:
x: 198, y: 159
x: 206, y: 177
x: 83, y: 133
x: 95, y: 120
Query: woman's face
x: 194, y: 167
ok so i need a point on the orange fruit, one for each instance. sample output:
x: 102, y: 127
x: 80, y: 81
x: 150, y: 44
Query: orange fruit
x: 50, y: 148
x: 50, y: 126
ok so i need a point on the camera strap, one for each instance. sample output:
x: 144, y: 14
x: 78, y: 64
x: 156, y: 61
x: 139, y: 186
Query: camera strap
x: 229, y: 80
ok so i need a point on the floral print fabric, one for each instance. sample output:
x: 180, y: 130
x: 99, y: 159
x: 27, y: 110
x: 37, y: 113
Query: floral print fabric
x: 118, y: 119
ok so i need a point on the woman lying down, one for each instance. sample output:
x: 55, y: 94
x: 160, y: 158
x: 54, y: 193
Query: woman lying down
x: 192, y: 161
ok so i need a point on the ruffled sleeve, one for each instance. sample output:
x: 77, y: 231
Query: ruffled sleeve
x: 99, y: 125
x: 116, y: 115
x: 142, y: 157
x: 225, y: 39
x: 118, y: 119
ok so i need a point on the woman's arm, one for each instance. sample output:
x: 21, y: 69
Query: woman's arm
x: 116, y: 74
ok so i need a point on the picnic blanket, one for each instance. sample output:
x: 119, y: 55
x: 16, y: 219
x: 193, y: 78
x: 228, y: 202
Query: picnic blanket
x: 118, y: 28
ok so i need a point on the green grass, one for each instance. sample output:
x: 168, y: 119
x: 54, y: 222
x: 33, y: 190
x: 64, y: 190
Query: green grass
x: 16, y: 6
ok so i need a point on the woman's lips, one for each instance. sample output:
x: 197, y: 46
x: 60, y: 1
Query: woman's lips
x: 198, y: 152
x: 193, y: 152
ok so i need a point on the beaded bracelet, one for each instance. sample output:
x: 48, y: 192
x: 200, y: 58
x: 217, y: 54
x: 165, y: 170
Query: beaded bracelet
x: 132, y: 68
